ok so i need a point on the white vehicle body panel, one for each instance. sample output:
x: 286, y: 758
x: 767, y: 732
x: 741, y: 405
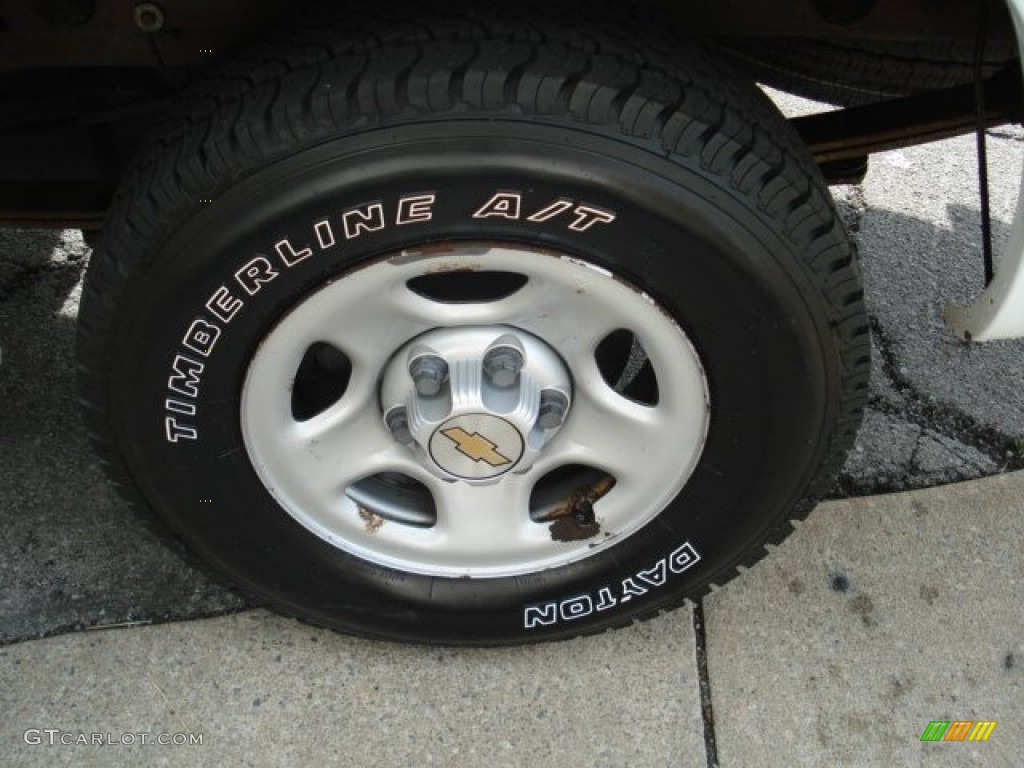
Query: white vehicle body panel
x: 998, y: 313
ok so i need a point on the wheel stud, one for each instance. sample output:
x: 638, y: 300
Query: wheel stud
x: 502, y: 364
x: 429, y: 373
x: 553, y: 407
x: 397, y: 422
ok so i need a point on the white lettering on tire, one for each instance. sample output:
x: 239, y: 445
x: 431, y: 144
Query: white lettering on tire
x: 223, y: 305
x: 255, y: 274
x: 504, y: 205
x: 201, y: 336
x: 184, y: 378
x: 414, y: 210
x: 324, y: 234
x: 586, y: 217
x: 366, y: 218
x: 227, y: 301
x: 289, y: 255
x: 557, y: 207
x: 577, y: 607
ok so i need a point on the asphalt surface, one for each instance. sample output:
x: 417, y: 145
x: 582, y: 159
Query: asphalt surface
x: 73, y: 555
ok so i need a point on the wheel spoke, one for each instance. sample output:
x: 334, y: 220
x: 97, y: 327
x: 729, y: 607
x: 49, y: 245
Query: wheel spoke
x: 477, y: 522
x: 573, y: 322
x: 342, y: 450
x: 610, y: 432
x: 324, y: 455
x: 370, y: 326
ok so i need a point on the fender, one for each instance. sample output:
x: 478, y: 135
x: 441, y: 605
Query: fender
x: 998, y: 313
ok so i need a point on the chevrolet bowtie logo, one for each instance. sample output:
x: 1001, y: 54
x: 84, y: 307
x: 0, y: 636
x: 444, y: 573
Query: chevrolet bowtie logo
x: 475, y: 446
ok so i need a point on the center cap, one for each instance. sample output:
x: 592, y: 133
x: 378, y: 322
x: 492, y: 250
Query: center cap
x: 476, y: 446
x: 477, y: 402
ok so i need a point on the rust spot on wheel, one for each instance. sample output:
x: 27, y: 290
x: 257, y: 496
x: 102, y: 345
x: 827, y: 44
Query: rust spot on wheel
x: 372, y: 522
x: 576, y: 520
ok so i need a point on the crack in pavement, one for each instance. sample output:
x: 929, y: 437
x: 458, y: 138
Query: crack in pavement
x: 925, y: 411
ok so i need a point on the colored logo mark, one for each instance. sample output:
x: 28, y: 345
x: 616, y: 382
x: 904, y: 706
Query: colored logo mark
x: 958, y: 730
x: 475, y: 446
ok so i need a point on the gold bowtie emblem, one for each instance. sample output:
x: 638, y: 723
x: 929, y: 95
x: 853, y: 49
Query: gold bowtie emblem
x: 475, y: 446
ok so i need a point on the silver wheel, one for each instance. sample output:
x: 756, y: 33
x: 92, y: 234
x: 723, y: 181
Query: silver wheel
x: 408, y: 470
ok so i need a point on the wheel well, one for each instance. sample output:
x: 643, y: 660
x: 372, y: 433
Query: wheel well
x: 82, y: 81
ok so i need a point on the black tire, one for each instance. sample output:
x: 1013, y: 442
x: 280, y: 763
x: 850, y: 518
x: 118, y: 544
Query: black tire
x: 855, y: 72
x: 720, y: 217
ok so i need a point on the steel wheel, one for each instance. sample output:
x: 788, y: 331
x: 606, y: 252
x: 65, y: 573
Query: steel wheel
x: 385, y: 494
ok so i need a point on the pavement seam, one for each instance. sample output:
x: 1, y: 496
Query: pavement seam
x: 707, y: 713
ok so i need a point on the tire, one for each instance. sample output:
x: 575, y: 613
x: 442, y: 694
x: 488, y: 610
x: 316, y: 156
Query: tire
x: 619, y: 232
x: 855, y: 72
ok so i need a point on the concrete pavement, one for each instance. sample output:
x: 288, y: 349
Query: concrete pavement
x: 875, y: 618
x: 263, y: 690
x: 878, y: 616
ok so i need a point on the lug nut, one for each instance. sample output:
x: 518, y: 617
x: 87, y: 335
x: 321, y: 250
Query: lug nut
x: 583, y: 513
x: 553, y: 407
x: 429, y: 373
x: 502, y: 365
x: 397, y: 422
